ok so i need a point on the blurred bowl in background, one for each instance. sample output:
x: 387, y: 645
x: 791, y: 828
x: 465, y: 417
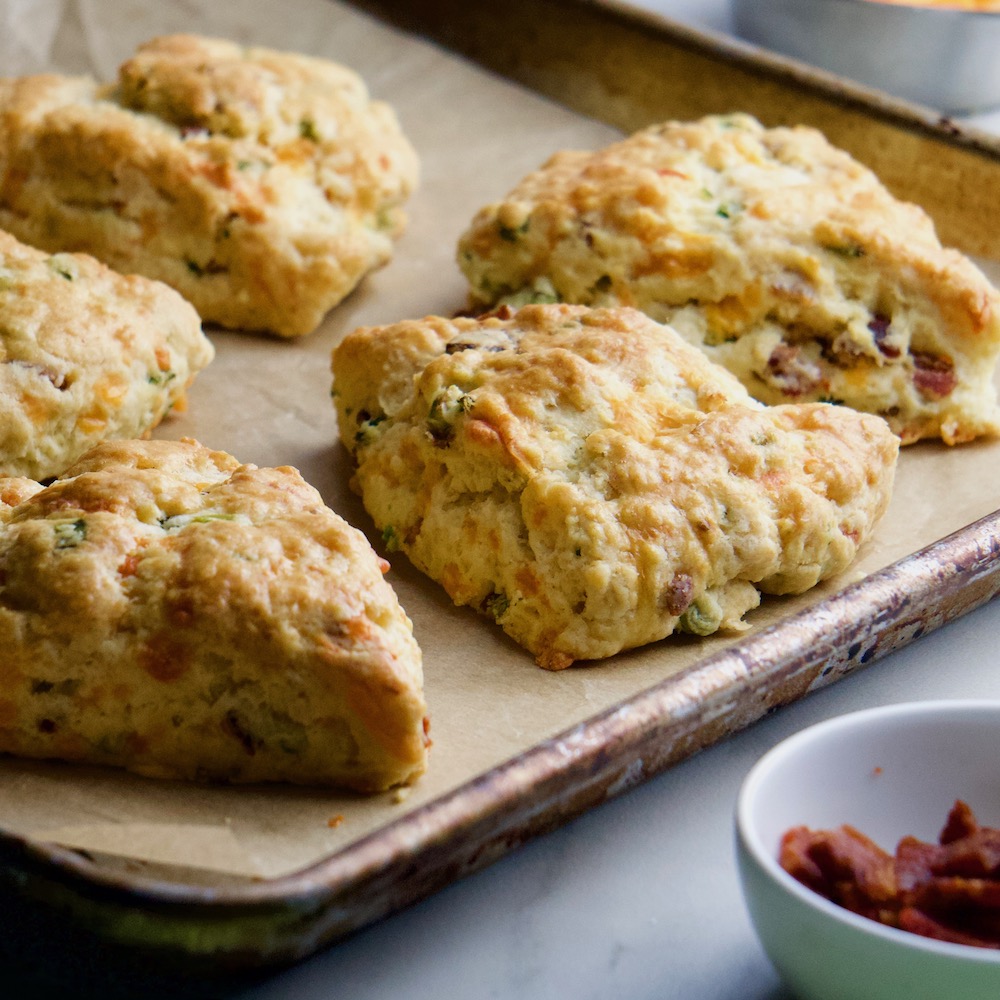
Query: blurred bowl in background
x: 944, y: 58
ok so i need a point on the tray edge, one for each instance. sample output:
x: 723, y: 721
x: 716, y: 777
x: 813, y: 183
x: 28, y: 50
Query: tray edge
x: 271, y: 923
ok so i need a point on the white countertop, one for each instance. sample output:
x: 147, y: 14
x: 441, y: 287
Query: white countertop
x: 637, y: 899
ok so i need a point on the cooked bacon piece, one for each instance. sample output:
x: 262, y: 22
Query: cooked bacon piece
x: 913, y: 862
x: 843, y: 865
x: 918, y: 922
x: 677, y: 598
x: 960, y: 823
x: 791, y: 372
x: 933, y: 374
x: 974, y: 856
x: 879, y: 326
x: 951, y: 891
x: 795, y: 859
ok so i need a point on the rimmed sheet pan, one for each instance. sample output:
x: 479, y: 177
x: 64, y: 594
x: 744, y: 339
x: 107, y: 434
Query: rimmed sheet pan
x: 250, y: 877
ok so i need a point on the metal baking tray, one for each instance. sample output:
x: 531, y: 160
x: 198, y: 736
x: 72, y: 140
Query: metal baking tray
x: 608, y: 62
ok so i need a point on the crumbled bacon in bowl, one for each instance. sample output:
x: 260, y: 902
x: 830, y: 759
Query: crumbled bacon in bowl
x: 949, y: 891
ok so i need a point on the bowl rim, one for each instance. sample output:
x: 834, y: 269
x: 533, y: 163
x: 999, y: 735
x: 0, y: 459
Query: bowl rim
x: 932, y: 10
x: 753, y: 844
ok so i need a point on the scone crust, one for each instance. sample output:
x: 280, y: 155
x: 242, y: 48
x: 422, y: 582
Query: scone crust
x: 781, y: 256
x: 592, y: 481
x: 261, y: 185
x: 85, y: 354
x: 171, y: 611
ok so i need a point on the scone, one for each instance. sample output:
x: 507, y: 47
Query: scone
x: 261, y: 185
x: 165, y: 609
x: 778, y: 254
x: 85, y: 354
x: 592, y: 481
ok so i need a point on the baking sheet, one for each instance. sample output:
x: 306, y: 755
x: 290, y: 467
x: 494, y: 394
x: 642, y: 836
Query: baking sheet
x: 268, y: 402
x: 606, y: 59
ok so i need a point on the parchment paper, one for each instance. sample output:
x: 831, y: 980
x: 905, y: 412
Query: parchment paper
x: 268, y: 402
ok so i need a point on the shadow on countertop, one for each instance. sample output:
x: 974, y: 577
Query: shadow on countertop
x: 42, y: 957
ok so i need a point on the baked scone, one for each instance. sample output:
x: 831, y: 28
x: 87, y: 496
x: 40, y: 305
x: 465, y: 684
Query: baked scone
x: 165, y: 609
x: 85, y: 354
x: 781, y: 256
x: 592, y: 481
x: 261, y: 185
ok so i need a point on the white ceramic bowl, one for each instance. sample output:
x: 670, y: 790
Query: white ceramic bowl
x: 889, y: 772
x: 946, y: 59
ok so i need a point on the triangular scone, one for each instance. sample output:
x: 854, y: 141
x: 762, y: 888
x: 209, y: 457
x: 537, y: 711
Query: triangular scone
x: 165, y: 609
x: 85, y: 354
x: 592, y: 481
x: 262, y: 185
x: 781, y: 256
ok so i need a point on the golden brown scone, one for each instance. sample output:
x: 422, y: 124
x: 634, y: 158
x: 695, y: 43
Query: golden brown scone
x: 592, y: 481
x: 261, y: 185
x: 781, y: 256
x: 85, y: 354
x: 165, y: 609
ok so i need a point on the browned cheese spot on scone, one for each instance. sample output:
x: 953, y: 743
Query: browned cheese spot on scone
x: 779, y: 255
x: 165, y: 609
x: 592, y: 481
x: 85, y: 354
x: 261, y: 185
